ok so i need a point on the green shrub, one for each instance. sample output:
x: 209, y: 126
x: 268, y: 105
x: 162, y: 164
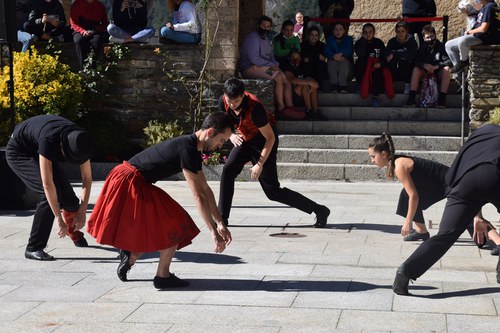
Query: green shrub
x: 42, y: 85
x: 495, y: 116
x: 158, y: 131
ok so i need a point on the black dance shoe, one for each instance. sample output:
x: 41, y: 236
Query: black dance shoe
x: 124, y: 265
x: 82, y: 242
x: 322, y: 213
x: 38, y: 255
x: 169, y: 282
x: 415, y: 236
x: 400, y: 285
x: 498, y: 270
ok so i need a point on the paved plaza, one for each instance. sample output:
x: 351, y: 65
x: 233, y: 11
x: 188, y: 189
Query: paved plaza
x: 278, y: 275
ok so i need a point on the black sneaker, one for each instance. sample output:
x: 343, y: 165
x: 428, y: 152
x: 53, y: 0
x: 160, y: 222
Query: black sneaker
x: 415, y: 236
x: 401, y: 282
x: 322, y: 213
x: 82, y: 242
x: 459, y: 67
x: 124, y: 266
x: 169, y: 282
x: 410, y: 103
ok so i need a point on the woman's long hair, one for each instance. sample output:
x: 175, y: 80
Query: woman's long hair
x: 384, y: 143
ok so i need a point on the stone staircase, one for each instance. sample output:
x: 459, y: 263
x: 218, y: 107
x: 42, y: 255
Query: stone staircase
x: 336, y: 149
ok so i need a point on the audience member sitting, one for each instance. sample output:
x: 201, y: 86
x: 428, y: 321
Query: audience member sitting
x: 130, y: 21
x: 339, y: 51
x: 284, y: 42
x: 298, y: 28
x: 400, y: 55
x: 47, y: 21
x: 486, y: 30
x: 313, y: 56
x: 370, y: 68
x: 431, y: 58
x: 305, y: 88
x: 257, y: 62
x: 23, y: 12
x: 185, y: 27
x: 89, y: 21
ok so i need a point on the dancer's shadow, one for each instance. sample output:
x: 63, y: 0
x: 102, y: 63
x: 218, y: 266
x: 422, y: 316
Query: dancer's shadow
x: 387, y: 228
x: 462, y: 293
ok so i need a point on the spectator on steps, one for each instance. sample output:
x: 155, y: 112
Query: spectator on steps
x: 339, y: 51
x: 485, y: 31
x: 47, y: 21
x: 185, y: 28
x: 305, y: 88
x: 284, y: 42
x: 431, y: 59
x: 257, y: 62
x: 89, y: 21
x: 312, y: 52
x: 298, y: 28
x: 130, y: 21
x: 370, y: 67
x: 23, y: 12
x: 400, y: 54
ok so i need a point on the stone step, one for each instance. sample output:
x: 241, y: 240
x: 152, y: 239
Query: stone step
x: 433, y: 143
x: 352, y: 99
x: 351, y: 156
x: 326, y: 172
x: 391, y: 113
x: 371, y: 127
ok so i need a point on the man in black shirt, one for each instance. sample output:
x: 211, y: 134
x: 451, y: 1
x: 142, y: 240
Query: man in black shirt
x: 33, y: 152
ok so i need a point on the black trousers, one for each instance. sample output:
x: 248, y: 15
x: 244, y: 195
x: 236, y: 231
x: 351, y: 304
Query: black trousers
x: 400, y: 70
x: 249, y: 152
x: 27, y: 168
x: 39, y: 30
x: 478, y: 187
x: 84, y: 44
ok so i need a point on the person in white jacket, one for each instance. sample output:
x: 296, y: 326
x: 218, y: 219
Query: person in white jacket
x: 185, y: 27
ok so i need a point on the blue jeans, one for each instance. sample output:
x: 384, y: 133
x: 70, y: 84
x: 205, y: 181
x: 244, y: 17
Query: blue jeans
x: 141, y: 36
x: 180, y: 37
x: 24, y: 38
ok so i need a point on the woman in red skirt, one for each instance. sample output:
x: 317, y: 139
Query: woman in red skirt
x: 136, y: 216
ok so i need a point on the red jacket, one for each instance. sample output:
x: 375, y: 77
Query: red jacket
x: 88, y: 16
x: 246, y: 126
x: 366, y: 82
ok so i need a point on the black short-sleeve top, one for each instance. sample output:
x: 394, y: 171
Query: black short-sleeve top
x: 168, y: 158
x: 42, y: 135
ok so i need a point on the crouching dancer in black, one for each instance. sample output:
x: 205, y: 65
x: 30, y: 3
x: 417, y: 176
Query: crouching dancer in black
x: 473, y: 180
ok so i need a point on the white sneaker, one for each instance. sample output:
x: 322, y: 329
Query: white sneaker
x: 407, y: 89
x: 116, y: 40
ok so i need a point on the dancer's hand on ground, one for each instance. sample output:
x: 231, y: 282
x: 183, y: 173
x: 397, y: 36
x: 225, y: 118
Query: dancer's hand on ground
x: 225, y: 234
x: 220, y: 244
x: 63, y: 228
x: 406, y: 229
x: 481, y: 229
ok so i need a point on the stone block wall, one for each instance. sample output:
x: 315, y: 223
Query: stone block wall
x: 484, y: 83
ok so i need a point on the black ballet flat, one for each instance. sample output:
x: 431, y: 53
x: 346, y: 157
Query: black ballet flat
x: 169, y: 282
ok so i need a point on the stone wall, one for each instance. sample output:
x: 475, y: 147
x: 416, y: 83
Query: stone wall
x: 484, y: 83
x: 160, y: 82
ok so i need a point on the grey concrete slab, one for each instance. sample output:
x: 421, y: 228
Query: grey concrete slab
x: 336, y: 279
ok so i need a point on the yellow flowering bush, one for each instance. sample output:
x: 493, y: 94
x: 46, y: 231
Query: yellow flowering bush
x: 42, y: 85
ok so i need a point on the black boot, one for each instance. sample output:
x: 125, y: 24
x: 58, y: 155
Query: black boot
x: 322, y: 213
x: 400, y: 285
x: 410, y: 103
x: 124, y: 265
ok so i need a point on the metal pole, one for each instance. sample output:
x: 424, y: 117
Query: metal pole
x: 11, y: 87
x: 462, y: 131
x: 445, y: 28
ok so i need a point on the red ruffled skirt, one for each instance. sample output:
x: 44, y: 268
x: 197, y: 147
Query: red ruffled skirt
x: 134, y: 215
